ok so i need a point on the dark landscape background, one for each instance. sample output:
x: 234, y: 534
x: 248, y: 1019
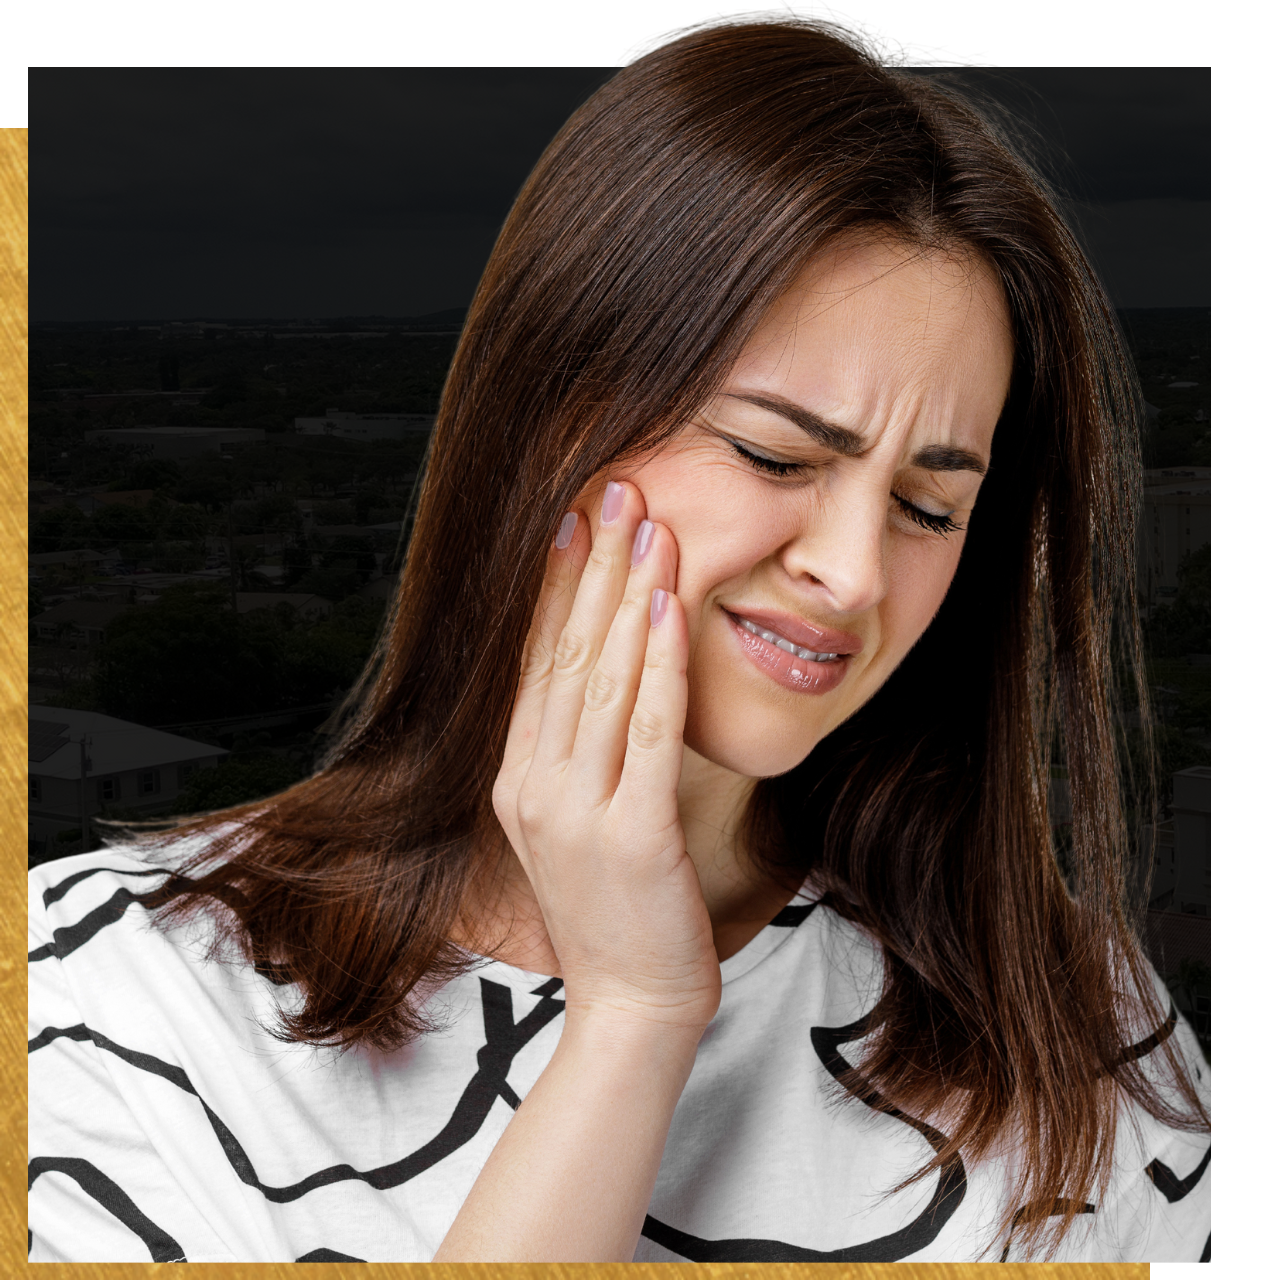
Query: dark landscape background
x: 241, y: 249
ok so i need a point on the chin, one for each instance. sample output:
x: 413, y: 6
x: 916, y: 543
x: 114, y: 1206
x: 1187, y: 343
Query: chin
x: 763, y: 755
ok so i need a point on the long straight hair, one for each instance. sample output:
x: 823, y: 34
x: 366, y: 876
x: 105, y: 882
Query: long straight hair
x: 665, y: 217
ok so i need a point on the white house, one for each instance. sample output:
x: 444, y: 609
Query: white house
x: 124, y: 766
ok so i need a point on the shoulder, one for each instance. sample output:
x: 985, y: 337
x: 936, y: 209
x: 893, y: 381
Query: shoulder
x: 93, y: 949
x: 72, y: 901
x: 58, y: 891
x: 118, y: 1012
x: 52, y: 884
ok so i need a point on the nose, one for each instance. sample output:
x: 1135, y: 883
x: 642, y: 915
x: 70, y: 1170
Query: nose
x: 841, y: 552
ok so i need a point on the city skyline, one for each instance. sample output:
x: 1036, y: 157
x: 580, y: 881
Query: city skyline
x: 167, y: 193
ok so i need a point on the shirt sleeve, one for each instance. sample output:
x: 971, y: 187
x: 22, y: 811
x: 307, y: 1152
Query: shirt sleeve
x: 98, y: 1190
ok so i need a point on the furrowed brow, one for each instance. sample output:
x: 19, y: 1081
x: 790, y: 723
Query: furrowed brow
x: 933, y: 457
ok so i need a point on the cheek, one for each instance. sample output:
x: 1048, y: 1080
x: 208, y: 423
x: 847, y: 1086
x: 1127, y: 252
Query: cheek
x: 721, y: 526
x: 918, y: 582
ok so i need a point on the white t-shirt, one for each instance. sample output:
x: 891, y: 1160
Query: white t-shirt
x: 167, y: 1125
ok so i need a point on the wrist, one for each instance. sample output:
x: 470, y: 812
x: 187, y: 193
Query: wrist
x: 630, y: 1036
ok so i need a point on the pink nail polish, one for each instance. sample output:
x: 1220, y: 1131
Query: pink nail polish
x: 657, y: 606
x: 644, y: 538
x: 566, y: 530
x: 612, y: 508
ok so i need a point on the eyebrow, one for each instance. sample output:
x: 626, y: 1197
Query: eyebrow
x: 933, y: 457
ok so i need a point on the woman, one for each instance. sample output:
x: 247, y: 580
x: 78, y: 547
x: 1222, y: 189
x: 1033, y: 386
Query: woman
x: 739, y: 884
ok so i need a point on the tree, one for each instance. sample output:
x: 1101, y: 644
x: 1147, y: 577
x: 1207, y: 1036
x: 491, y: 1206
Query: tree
x: 188, y: 658
x: 63, y: 528
x: 1182, y: 626
x: 237, y: 781
x: 185, y: 522
x: 334, y: 581
x: 244, y: 560
x: 205, y: 487
x: 231, y: 388
x: 119, y: 523
x: 321, y: 660
x: 149, y: 473
x: 278, y: 511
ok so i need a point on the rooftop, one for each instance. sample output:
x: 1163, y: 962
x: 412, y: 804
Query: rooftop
x: 116, y: 745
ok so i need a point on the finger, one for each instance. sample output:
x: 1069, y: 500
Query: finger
x: 555, y: 602
x: 600, y: 591
x: 655, y: 735
x: 610, y: 696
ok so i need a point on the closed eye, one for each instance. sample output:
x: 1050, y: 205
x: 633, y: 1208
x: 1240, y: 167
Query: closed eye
x: 929, y: 520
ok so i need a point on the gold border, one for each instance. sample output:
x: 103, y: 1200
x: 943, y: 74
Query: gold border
x: 13, y: 548
x: 13, y: 688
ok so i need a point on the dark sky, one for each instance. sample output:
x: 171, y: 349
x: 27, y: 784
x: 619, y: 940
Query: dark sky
x: 205, y: 193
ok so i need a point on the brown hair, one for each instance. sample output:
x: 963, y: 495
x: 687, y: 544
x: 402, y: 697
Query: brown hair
x: 661, y: 222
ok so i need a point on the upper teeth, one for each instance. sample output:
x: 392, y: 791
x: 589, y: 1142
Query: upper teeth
x: 786, y: 644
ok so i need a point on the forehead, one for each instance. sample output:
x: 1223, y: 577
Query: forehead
x: 877, y: 323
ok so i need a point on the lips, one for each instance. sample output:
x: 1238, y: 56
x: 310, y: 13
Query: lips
x: 799, y: 632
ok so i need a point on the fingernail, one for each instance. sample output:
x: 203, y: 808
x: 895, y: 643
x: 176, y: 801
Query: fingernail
x: 640, y: 547
x: 612, y: 509
x: 564, y: 534
x: 657, y: 606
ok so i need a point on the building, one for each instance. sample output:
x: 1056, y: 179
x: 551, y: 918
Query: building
x: 1175, y: 522
x: 78, y: 621
x: 179, y: 443
x: 366, y: 426
x: 75, y: 561
x: 383, y: 587
x: 122, y: 766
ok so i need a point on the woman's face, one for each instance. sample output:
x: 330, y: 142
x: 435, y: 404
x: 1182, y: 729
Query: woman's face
x: 871, y: 393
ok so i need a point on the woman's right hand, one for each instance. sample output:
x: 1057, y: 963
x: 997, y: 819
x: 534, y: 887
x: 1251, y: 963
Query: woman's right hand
x: 587, y: 789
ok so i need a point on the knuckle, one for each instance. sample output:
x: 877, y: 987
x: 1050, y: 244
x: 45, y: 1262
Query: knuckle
x: 572, y: 653
x: 602, y: 557
x: 502, y: 795
x: 602, y: 690
x: 648, y: 732
x: 536, y: 661
x: 657, y: 660
x: 529, y: 811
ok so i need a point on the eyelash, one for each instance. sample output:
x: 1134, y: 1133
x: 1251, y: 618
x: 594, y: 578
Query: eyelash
x: 925, y: 519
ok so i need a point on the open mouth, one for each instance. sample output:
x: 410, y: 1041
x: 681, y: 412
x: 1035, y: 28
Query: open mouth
x: 794, y: 649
